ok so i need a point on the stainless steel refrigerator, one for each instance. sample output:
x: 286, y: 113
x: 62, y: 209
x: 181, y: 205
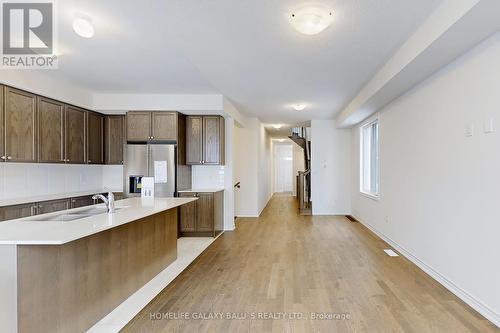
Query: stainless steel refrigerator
x: 150, y: 160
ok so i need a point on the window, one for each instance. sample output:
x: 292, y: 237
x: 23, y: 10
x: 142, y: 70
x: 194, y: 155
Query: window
x: 370, y: 173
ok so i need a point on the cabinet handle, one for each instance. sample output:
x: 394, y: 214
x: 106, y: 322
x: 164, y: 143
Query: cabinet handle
x: 89, y: 161
x: 9, y: 157
x: 3, y: 157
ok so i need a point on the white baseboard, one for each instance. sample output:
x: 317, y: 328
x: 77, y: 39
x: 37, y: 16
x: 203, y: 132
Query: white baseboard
x: 472, y: 301
x: 247, y: 215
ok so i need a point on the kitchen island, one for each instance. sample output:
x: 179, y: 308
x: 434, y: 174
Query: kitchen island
x: 64, y: 271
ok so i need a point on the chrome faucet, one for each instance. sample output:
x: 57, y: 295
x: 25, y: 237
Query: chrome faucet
x: 109, y: 201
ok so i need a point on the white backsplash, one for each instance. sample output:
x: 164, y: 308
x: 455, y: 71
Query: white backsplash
x: 112, y: 177
x: 19, y: 180
x: 207, y: 176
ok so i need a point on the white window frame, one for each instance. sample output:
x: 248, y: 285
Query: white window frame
x: 371, y: 190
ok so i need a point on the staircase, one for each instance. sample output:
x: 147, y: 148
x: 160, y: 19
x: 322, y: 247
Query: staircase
x: 301, y: 137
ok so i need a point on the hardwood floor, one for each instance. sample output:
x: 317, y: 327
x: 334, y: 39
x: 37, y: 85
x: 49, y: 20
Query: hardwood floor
x: 283, y: 262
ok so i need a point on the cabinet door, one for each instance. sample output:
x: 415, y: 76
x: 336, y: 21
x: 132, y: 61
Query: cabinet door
x: 20, y: 126
x: 114, y: 139
x: 205, y: 212
x: 50, y: 131
x: 138, y: 126
x: 95, y: 136
x: 17, y: 211
x: 164, y: 126
x: 82, y: 201
x: 188, y: 214
x: 213, y: 140
x: 194, y: 139
x: 51, y: 206
x: 2, y: 129
x: 74, y: 135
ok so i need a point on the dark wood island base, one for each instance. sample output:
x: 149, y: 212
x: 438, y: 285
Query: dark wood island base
x: 70, y: 287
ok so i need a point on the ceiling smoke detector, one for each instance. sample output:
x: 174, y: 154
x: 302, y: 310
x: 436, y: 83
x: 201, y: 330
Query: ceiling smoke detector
x: 311, y: 19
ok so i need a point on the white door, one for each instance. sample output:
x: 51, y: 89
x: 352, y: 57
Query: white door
x: 283, y: 168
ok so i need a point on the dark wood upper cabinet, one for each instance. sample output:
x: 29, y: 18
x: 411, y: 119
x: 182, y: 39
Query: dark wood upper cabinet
x: 75, y: 135
x: 114, y: 139
x: 20, y: 123
x: 205, y: 140
x: 213, y: 140
x: 138, y: 126
x: 194, y: 139
x: 164, y: 126
x: 156, y: 126
x: 50, y: 131
x: 95, y: 138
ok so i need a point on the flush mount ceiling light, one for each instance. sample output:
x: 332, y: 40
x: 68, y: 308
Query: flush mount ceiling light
x: 83, y: 27
x: 311, y: 19
x: 298, y: 107
x: 278, y: 126
x: 281, y: 140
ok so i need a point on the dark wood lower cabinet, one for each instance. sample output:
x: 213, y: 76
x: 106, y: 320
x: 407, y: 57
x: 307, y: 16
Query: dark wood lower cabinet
x: 81, y: 201
x: 50, y: 206
x: 46, y: 207
x: 17, y: 211
x: 203, y: 217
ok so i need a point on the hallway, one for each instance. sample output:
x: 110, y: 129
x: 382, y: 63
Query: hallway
x: 285, y: 263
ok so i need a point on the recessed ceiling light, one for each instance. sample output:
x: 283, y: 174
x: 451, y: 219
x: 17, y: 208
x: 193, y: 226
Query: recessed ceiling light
x: 299, y: 107
x: 281, y: 140
x: 311, y: 19
x: 278, y: 126
x: 83, y: 27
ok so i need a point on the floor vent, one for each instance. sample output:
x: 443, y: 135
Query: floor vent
x: 351, y: 218
x: 391, y: 253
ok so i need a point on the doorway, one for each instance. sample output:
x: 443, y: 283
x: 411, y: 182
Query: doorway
x: 283, y: 168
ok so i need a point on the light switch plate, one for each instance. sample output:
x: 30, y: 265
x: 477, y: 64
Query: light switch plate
x: 489, y: 126
x: 469, y: 130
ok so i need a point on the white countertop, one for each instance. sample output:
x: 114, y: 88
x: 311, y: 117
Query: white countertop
x: 202, y: 190
x: 39, y: 198
x: 25, y: 231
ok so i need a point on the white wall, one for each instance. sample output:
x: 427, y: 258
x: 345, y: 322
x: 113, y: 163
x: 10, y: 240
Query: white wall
x: 45, y: 83
x: 253, y: 167
x: 265, y: 173
x: 330, y: 168
x: 25, y: 180
x: 245, y: 168
x: 439, y: 199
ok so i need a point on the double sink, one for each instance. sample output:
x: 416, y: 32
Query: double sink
x: 73, y: 216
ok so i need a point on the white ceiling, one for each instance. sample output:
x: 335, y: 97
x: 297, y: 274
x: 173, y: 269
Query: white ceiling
x: 245, y: 50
